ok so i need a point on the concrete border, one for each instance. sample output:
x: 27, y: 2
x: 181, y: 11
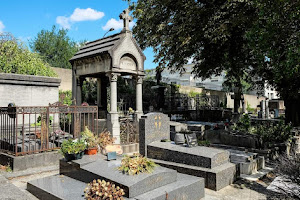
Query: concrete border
x: 20, y: 79
x: 18, y: 163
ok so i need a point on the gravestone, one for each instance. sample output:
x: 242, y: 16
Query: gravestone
x: 153, y: 127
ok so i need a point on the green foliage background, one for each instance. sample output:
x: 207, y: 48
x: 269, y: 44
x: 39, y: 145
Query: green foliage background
x: 55, y: 47
x: 16, y: 58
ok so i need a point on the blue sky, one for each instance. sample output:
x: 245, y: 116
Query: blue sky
x: 84, y: 19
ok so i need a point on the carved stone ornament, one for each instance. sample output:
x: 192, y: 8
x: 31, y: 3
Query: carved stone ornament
x: 83, y: 61
x: 113, y: 76
x: 139, y: 79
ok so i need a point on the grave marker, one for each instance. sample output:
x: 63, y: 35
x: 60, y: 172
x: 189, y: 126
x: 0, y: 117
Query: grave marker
x: 153, y: 127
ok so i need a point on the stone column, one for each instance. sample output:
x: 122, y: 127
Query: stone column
x: 79, y: 82
x: 74, y: 86
x: 99, y: 95
x: 139, y: 97
x: 113, y: 123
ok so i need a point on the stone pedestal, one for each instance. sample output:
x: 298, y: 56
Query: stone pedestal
x: 113, y: 125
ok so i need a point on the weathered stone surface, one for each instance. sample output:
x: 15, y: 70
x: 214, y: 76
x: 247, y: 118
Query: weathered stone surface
x: 215, y: 179
x: 186, y: 187
x: 18, y: 163
x: 153, y: 127
x: 26, y: 90
x: 197, y: 156
x: 57, y: 187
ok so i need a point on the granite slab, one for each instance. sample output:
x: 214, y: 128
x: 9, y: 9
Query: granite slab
x: 201, y: 156
x: 215, y: 179
x: 186, y: 187
x: 133, y: 185
x: 57, y: 187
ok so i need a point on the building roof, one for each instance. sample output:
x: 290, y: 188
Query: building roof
x: 97, y: 46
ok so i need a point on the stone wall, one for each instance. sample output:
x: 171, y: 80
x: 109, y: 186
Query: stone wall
x: 26, y: 90
x: 66, y: 78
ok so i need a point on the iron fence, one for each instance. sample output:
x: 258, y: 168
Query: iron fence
x: 182, y: 102
x: 26, y: 130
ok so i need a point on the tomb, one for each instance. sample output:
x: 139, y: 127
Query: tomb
x: 105, y: 59
x: 212, y: 164
x: 162, y: 183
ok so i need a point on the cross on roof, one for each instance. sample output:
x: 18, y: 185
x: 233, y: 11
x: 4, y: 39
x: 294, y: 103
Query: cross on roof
x: 126, y: 19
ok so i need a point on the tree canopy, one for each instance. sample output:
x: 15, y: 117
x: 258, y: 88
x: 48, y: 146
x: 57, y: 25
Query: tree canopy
x: 55, y: 47
x: 16, y: 58
x: 275, y: 43
x: 251, y: 40
x: 211, y: 33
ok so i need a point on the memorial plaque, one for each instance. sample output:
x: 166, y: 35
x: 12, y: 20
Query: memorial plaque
x: 191, y: 140
x: 127, y: 63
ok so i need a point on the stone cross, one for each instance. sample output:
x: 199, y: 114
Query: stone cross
x: 126, y: 19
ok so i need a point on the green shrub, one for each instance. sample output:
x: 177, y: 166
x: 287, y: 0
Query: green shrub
x: 244, y: 124
x: 73, y: 146
x: 16, y: 58
x: 65, y: 97
x: 203, y: 142
x: 274, y: 133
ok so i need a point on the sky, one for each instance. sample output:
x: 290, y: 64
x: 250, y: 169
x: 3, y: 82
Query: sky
x: 85, y: 19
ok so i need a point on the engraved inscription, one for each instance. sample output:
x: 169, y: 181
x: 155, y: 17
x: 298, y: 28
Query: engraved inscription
x: 127, y: 63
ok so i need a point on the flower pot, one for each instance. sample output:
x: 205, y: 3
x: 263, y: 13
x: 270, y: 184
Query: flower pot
x: 79, y: 155
x: 76, y: 156
x: 91, y: 151
x: 69, y: 157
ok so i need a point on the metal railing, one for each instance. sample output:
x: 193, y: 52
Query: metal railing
x: 27, y: 130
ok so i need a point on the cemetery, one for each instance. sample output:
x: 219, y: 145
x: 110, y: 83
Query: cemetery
x: 154, y: 143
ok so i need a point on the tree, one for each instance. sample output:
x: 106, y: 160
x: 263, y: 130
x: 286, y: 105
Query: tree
x: 275, y: 41
x: 16, y: 58
x: 212, y: 33
x: 55, y: 47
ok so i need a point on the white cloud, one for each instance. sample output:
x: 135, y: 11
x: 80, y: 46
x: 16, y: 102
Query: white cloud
x: 86, y: 15
x: 79, y: 15
x: 63, y: 21
x: 116, y: 24
x: 1, y: 26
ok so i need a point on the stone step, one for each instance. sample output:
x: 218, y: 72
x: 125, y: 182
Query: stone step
x: 215, y: 179
x: 186, y: 187
x: 200, y: 156
x: 86, y: 171
x: 57, y: 187
x: 60, y: 187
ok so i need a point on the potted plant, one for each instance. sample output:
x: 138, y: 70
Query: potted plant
x: 91, y: 141
x: 73, y: 149
x: 105, y: 139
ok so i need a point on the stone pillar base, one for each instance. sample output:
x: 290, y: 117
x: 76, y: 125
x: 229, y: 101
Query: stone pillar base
x: 113, y: 126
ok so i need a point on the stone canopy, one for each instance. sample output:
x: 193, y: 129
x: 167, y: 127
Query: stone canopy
x: 105, y: 59
x: 118, y: 53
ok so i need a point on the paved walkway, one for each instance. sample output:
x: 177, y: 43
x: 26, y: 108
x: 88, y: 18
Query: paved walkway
x: 15, y: 187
